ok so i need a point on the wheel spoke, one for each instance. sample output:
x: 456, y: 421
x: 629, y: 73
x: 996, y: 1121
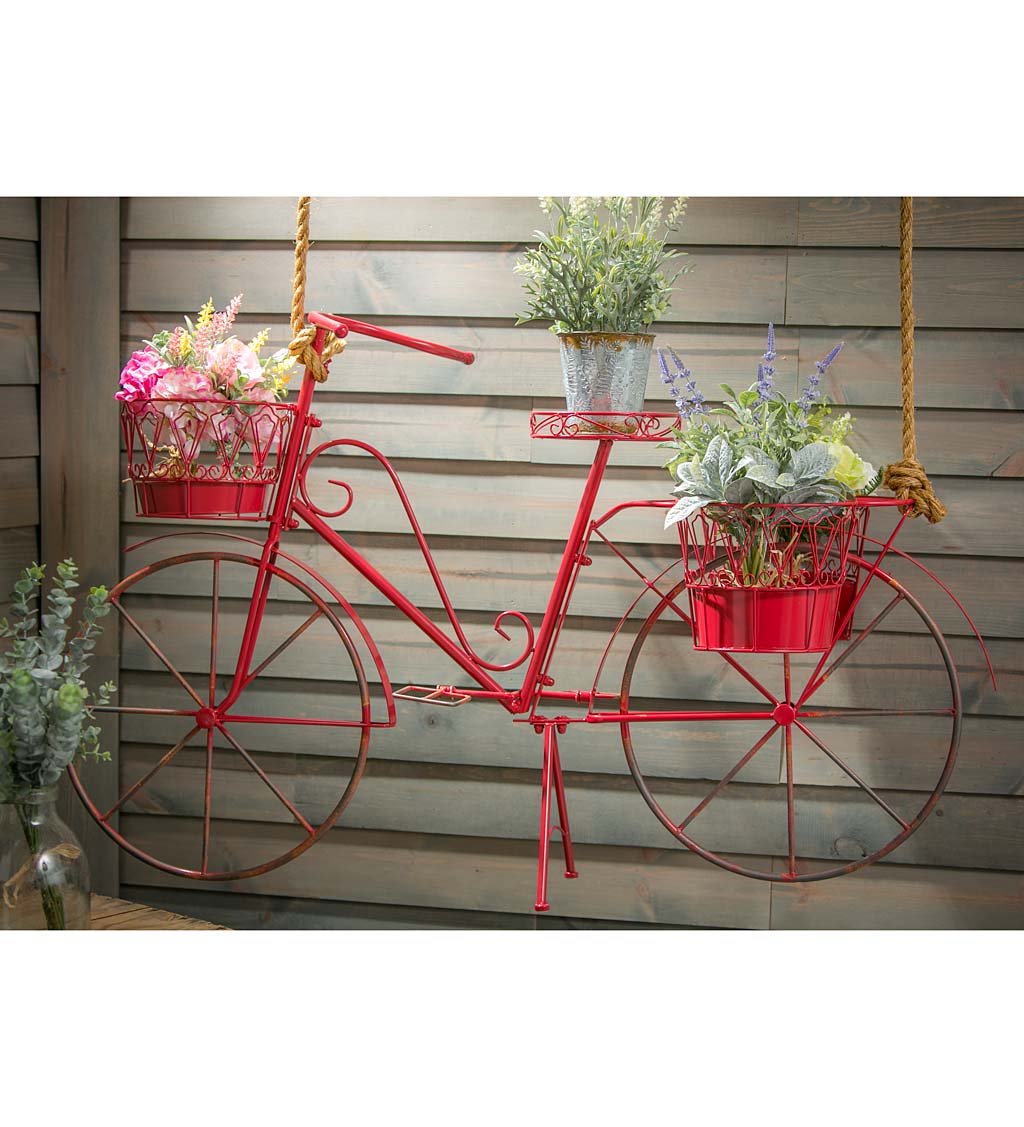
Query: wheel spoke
x: 817, y: 679
x: 728, y: 777
x: 729, y: 659
x: 790, y: 801
x: 128, y: 710
x: 159, y: 654
x: 207, y: 796
x: 310, y: 721
x: 296, y: 633
x: 266, y: 778
x: 150, y: 773
x: 672, y: 717
x: 214, y: 619
x: 749, y: 677
x: 853, y: 775
x: 854, y: 713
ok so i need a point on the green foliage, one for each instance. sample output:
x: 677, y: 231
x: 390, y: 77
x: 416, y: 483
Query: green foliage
x: 603, y: 268
x: 764, y: 451
x: 46, y: 718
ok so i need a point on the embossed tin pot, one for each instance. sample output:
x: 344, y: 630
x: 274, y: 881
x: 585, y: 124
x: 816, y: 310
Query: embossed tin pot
x: 605, y: 371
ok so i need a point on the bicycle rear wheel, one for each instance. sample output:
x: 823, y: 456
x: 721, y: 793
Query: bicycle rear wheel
x: 791, y: 762
x: 276, y: 769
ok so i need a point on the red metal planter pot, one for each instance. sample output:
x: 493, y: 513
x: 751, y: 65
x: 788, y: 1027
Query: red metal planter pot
x: 769, y: 619
x: 186, y: 498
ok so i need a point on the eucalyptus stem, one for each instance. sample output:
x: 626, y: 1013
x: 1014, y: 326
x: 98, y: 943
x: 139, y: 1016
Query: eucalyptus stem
x: 53, y: 900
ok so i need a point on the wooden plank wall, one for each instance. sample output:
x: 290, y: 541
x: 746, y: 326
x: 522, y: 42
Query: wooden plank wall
x: 79, y: 463
x: 19, y: 387
x: 441, y: 832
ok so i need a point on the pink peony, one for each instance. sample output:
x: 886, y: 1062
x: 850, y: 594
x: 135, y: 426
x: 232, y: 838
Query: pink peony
x: 234, y: 365
x: 258, y: 393
x: 189, y: 422
x: 140, y: 375
x: 184, y: 383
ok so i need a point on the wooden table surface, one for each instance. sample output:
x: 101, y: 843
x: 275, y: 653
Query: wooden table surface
x: 109, y: 914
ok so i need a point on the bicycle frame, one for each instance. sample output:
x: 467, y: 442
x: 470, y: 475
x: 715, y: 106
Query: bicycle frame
x: 292, y: 505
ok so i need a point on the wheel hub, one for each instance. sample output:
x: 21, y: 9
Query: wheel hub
x: 784, y: 714
x: 207, y: 718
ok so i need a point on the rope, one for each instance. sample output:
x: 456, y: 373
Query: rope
x: 303, y: 335
x: 907, y: 478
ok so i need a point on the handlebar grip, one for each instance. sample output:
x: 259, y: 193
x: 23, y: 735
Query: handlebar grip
x: 340, y: 326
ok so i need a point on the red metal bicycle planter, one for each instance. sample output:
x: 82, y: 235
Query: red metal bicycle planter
x: 232, y: 721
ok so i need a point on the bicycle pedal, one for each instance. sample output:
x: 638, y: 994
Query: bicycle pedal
x: 440, y: 694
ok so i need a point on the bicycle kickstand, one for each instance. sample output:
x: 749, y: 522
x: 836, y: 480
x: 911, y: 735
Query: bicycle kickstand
x: 552, y: 774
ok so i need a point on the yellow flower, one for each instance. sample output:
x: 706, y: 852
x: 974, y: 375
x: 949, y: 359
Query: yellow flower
x: 850, y: 469
x: 259, y: 340
x: 205, y: 315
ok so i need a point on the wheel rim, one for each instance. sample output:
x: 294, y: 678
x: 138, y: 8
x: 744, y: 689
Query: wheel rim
x: 807, y: 721
x: 200, y: 725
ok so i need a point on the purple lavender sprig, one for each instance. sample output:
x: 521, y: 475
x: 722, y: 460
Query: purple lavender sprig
x: 688, y: 399
x: 810, y: 393
x: 766, y: 370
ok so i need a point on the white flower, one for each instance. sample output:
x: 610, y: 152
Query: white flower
x: 850, y: 469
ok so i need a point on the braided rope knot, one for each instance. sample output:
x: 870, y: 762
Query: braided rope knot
x: 301, y: 347
x: 908, y: 481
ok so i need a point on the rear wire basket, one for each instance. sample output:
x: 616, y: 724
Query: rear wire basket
x: 205, y: 458
x: 771, y: 578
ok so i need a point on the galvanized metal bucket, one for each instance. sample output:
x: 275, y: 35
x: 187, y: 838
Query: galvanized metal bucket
x: 605, y: 371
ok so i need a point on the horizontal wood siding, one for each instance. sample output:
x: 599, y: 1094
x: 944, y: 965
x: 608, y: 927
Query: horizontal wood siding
x: 441, y: 832
x: 19, y: 388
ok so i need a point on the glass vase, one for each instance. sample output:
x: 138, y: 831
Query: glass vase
x: 44, y: 874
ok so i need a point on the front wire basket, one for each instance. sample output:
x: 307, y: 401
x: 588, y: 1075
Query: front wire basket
x: 205, y: 458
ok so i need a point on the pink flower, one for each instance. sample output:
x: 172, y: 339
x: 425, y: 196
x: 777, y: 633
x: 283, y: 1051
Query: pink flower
x: 265, y: 427
x: 140, y: 375
x: 259, y: 393
x: 184, y: 383
x: 234, y: 365
x: 188, y: 422
x: 253, y: 426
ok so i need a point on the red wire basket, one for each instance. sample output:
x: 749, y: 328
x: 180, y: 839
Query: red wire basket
x: 208, y: 458
x: 771, y: 578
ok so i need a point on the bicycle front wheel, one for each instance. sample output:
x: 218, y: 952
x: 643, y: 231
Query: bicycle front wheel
x: 274, y: 769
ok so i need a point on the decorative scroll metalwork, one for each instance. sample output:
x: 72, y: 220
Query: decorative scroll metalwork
x: 777, y: 546
x: 423, y: 546
x: 642, y: 426
x: 212, y: 440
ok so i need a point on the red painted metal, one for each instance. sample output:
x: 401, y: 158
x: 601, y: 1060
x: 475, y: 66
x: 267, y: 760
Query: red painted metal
x: 767, y: 619
x: 551, y: 779
x: 280, y: 465
x: 340, y: 326
x: 208, y: 458
x: 640, y: 426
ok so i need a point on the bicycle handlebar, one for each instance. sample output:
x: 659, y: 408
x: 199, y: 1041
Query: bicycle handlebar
x: 341, y: 326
